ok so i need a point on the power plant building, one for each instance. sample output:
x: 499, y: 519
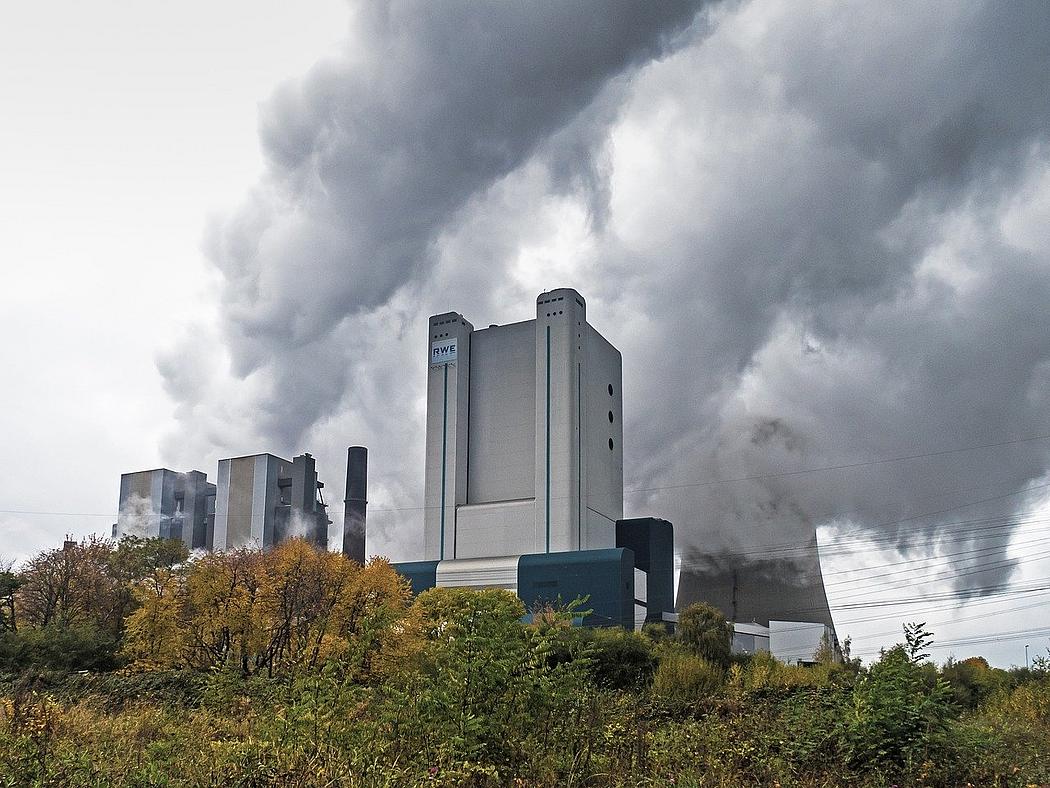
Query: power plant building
x: 524, y: 448
x: 263, y: 499
x: 524, y: 468
x: 166, y: 504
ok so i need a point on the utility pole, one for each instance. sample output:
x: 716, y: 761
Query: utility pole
x: 1026, y: 656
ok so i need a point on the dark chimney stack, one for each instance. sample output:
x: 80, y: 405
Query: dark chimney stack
x: 355, y: 502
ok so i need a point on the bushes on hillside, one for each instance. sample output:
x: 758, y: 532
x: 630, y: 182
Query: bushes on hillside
x: 291, y: 608
x: 684, y: 677
x: 302, y: 668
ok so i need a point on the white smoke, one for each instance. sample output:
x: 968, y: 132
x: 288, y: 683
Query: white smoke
x: 137, y: 517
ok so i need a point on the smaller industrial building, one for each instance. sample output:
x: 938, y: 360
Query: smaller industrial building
x: 167, y: 504
x: 792, y: 642
x: 263, y: 499
x: 259, y: 500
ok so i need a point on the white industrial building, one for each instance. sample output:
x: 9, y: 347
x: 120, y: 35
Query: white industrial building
x: 792, y: 642
x: 524, y: 468
x: 524, y: 449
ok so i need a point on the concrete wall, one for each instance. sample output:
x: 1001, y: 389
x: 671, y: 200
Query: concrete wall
x: 504, y: 528
x: 796, y: 641
x: 561, y: 318
x: 750, y: 639
x: 502, y: 419
x: 602, y: 439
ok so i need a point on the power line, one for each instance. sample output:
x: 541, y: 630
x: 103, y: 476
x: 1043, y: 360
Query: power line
x: 953, y: 575
x: 946, y: 622
x: 885, y: 524
x: 754, y: 477
x: 958, y: 556
x: 843, y: 466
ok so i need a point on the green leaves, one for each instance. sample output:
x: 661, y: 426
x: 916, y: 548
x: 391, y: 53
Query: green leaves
x: 897, y: 716
x: 705, y: 630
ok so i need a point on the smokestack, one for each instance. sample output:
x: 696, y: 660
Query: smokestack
x: 355, y: 503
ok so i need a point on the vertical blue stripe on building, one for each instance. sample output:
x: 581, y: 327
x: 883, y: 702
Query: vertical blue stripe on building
x: 548, y: 439
x: 444, y: 447
x: 579, y: 458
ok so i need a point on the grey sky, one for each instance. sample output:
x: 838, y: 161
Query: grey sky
x: 817, y: 232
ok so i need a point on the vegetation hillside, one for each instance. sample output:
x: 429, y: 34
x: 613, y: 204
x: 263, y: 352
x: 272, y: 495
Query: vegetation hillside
x: 132, y: 664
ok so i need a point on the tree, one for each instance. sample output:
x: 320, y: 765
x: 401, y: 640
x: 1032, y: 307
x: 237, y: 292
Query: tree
x: 154, y: 635
x: 9, y: 583
x: 973, y: 681
x: 825, y: 653
x: 706, y: 632
x: 70, y: 585
x: 292, y: 608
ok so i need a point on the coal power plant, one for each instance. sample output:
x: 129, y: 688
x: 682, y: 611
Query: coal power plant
x: 258, y: 501
x: 523, y: 483
x: 523, y: 490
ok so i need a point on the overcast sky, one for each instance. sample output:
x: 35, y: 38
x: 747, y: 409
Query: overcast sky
x: 819, y: 233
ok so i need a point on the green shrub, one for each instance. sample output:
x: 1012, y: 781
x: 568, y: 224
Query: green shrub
x: 58, y: 646
x: 1028, y: 703
x: 618, y: 659
x: 762, y: 673
x: 683, y: 677
x: 895, y: 719
x: 703, y: 628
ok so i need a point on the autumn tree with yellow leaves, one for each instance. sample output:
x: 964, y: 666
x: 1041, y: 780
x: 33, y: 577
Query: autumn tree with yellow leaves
x: 291, y: 608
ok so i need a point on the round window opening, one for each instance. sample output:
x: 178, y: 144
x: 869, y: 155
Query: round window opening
x: 610, y: 389
x: 610, y: 444
x: 610, y: 417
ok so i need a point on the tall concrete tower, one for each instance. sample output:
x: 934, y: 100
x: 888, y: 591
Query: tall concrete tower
x: 524, y: 470
x: 524, y: 435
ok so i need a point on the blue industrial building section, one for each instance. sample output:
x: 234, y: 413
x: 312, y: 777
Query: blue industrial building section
x: 652, y: 542
x: 606, y: 578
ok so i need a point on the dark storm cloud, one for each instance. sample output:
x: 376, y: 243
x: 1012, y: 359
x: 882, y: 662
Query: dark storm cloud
x: 843, y: 276
x: 373, y: 152
x: 806, y: 231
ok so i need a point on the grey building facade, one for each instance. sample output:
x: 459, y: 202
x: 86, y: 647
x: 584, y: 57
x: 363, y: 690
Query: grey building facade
x: 263, y: 499
x: 167, y: 504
